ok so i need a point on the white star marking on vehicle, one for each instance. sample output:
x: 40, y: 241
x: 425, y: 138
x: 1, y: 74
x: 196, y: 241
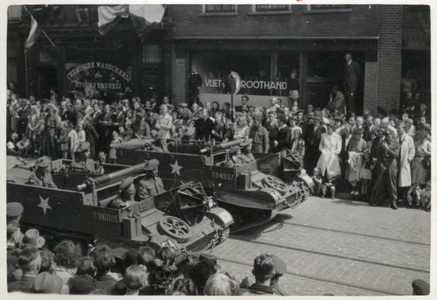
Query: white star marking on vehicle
x: 176, y: 168
x: 44, y: 204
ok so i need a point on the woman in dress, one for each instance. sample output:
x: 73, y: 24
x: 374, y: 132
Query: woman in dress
x: 423, y: 151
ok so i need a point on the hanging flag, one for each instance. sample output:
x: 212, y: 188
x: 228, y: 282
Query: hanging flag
x: 109, y: 17
x: 145, y: 18
x: 35, y: 31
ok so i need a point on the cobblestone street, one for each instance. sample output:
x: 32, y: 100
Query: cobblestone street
x: 339, y: 247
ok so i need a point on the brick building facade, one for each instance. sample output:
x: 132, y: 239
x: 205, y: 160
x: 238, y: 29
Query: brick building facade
x: 257, y: 41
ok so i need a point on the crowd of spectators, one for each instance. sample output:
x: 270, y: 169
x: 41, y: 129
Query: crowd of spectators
x: 75, y: 267
x: 369, y: 155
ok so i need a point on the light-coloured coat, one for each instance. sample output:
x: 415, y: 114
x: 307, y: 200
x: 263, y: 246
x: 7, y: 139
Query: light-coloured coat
x: 330, y: 147
x: 407, y: 152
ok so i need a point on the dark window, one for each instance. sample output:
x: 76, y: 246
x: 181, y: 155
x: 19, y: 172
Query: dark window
x: 330, y: 6
x: 220, y: 8
x: 260, y: 8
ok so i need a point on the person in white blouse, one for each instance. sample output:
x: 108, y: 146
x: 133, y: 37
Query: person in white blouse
x: 330, y: 148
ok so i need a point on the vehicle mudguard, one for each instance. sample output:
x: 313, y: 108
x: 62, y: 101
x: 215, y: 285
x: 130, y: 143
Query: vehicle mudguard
x: 220, y: 216
x: 307, y: 179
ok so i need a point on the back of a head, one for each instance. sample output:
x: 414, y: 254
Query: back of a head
x: 29, y: 258
x: 185, y: 286
x: 167, y: 255
x: 104, y: 258
x: 85, y: 266
x: 220, y: 284
x: 147, y: 255
x: 135, y: 277
x: 67, y: 253
x: 263, y: 267
x: 47, y: 260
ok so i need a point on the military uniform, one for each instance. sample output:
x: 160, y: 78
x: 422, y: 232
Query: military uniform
x: 43, y: 179
x: 80, y: 162
x: 122, y: 201
x: 246, y: 158
x: 150, y: 186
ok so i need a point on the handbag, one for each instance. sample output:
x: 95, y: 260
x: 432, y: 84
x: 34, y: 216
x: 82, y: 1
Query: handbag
x: 426, y: 163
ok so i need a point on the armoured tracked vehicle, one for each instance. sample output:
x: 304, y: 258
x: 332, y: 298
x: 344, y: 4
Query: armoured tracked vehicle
x: 183, y: 218
x: 253, y: 193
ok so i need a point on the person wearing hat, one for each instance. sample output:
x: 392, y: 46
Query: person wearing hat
x: 32, y: 237
x: 126, y: 194
x: 29, y: 261
x: 150, y: 185
x: 13, y: 216
x: 387, y: 168
x: 312, y: 137
x: 41, y: 176
x: 246, y: 152
x: 355, y: 148
x: 280, y: 269
x: 82, y: 154
x: 46, y: 283
x: 330, y: 148
x: 259, y: 135
x: 234, y: 157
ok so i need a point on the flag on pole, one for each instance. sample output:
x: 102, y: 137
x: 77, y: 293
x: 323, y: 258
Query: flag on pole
x: 108, y: 17
x: 143, y: 17
x: 35, y: 31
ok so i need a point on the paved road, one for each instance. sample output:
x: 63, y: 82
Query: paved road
x: 339, y: 247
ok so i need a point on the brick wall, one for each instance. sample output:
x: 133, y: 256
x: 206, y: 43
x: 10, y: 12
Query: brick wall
x: 180, y: 80
x: 371, y: 86
x: 389, y: 56
x: 361, y: 21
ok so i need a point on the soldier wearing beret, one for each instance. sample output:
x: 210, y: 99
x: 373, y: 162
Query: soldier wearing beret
x: 41, y: 176
x: 234, y: 153
x: 151, y: 185
x: 246, y: 152
x: 126, y: 195
x: 82, y: 154
x: 14, y: 234
x: 259, y: 135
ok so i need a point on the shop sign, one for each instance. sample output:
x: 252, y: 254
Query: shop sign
x: 271, y: 85
x: 95, y: 75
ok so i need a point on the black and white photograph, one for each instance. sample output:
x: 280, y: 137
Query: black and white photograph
x: 219, y: 149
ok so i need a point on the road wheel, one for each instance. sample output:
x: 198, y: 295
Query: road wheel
x: 276, y: 183
x: 175, y: 228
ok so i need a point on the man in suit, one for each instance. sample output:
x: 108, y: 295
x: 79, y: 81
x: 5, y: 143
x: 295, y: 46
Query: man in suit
x: 312, y: 139
x: 352, y: 74
x: 244, y: 104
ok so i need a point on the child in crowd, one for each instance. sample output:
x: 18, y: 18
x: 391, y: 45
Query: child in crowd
x: 425, y: 197
x: 329, y: 185
x: 116, y: 140
x: 24, y: 146
x: 317, y: 178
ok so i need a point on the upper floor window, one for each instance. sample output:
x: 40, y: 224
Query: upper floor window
x: 328, y: 7
x: 220, y: 8
x: 274, y: 8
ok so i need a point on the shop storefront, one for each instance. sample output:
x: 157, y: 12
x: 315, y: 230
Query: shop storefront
x: 265, y: 74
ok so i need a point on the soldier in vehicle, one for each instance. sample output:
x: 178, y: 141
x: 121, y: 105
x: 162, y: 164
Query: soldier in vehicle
x: 151, y: 184
x: 41, y: 176
x: 246, y: 152
x: 234, y: 154
x: 82, y: 154
x: 126, y: 195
